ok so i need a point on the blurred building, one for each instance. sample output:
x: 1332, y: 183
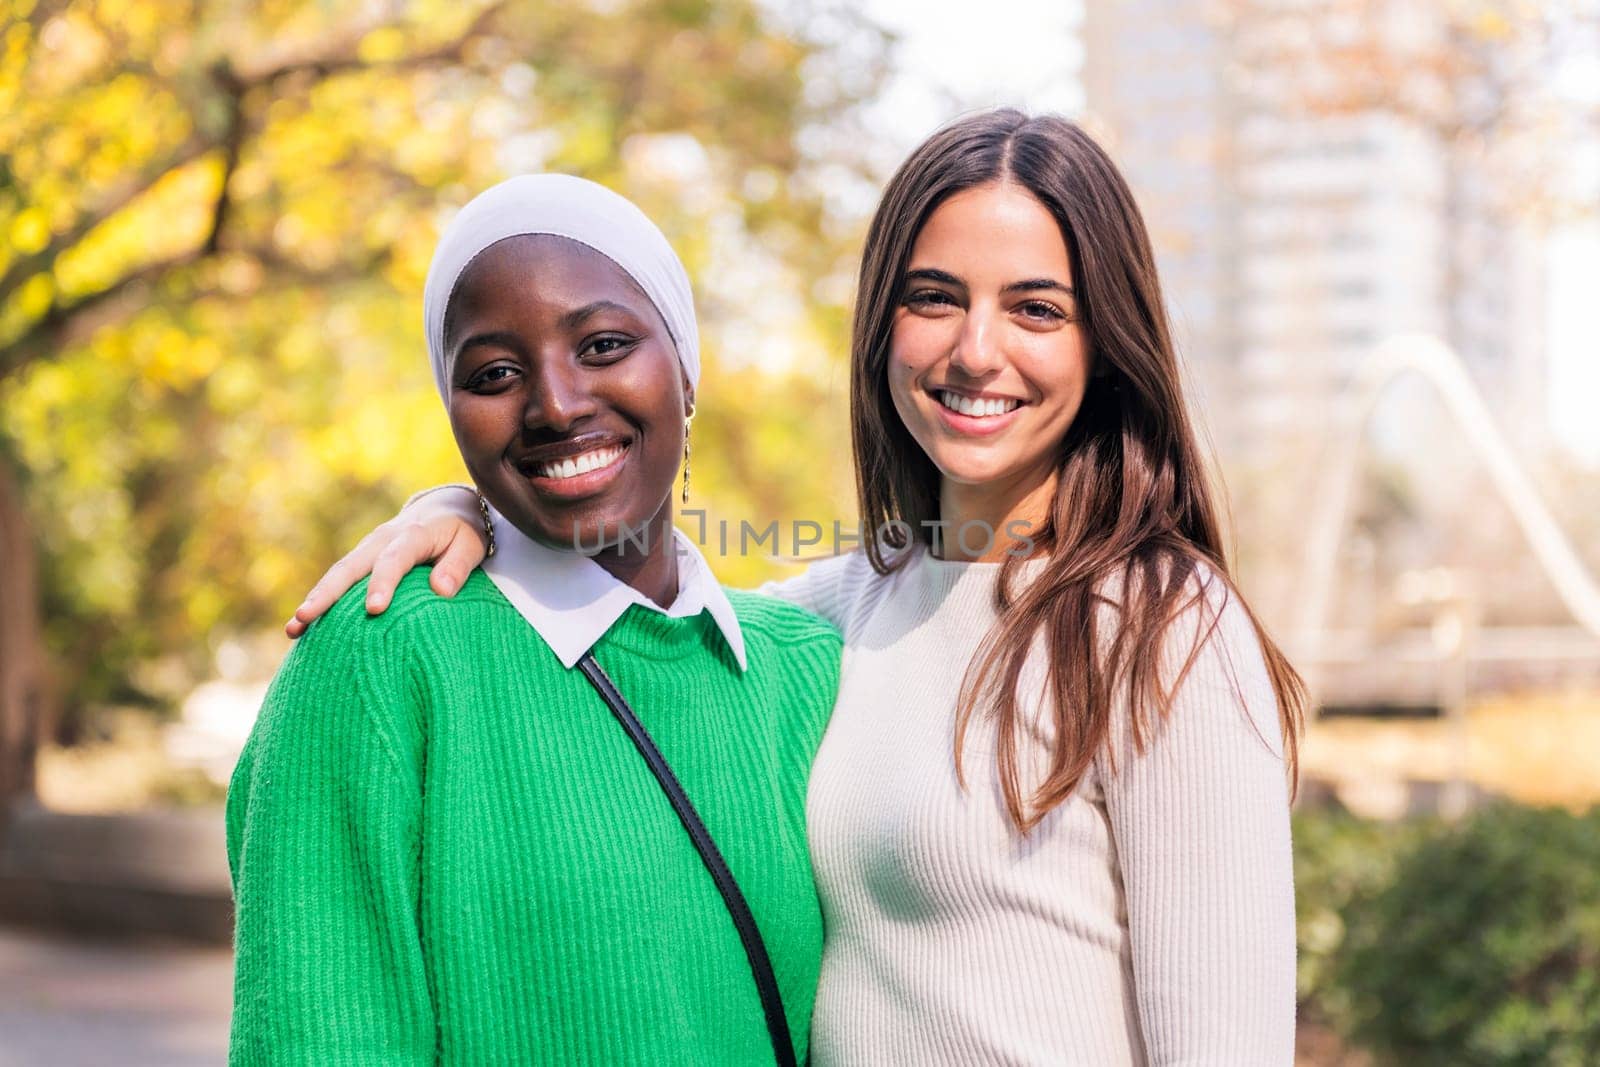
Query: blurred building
x: 1292, y: 239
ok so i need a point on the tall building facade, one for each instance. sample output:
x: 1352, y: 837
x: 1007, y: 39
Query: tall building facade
x: 1293, y: 241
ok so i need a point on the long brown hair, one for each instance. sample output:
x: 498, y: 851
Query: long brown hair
x: 1133, y: 510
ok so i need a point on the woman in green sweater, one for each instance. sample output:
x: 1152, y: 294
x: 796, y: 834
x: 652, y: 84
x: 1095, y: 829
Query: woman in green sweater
x: 444, y: 847
x: 1050, y: 818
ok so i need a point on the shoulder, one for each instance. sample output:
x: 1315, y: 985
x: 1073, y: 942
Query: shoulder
x: 343, y: 686
x: 794, y: 661
x: 815, y: 586
x: 411, y: 610
x: 838, y: 588
x: 780, y: 623
x: 1213, y: 619
x: 790, y: 647
x: 1200, y: 601
x: 414, y: 596
x: 346, y: 634
x: 1207, y: 649
x: 379, y: 663
x: 375, y: 657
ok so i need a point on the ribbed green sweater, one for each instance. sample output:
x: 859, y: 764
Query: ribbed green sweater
x: 445, y: 849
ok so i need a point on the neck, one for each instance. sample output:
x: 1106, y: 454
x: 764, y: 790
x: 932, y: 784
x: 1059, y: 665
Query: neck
x: 985, y: 522
x: 652, y: 568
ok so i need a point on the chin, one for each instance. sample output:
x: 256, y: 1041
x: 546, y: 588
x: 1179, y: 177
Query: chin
x: 967, y: 469
x: 979, y: 471
x: 587, y: 535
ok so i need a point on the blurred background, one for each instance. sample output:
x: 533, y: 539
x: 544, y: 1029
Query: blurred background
x: 1379, y: 229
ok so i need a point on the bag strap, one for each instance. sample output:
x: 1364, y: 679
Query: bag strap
x: 754, y: 947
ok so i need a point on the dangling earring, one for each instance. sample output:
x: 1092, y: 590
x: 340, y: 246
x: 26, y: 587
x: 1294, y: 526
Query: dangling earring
x: 488, y: 527
x: 686, y: 461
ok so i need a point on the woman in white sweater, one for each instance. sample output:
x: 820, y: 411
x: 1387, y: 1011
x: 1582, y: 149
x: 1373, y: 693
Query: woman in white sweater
x: 1049, y: 818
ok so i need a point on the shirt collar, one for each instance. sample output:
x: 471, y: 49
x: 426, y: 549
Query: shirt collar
x: 573, y: 602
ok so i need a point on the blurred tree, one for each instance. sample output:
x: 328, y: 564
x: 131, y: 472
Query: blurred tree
x: 218, y: 217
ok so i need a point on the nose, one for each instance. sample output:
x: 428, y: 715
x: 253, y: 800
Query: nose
x: 558, y: 398
x: 977, y: 350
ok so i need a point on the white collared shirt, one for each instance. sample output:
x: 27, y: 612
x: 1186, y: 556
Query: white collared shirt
x: 572, y: 601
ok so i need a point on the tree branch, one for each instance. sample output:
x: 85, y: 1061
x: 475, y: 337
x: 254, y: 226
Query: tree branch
x: 234, y: 84
x: 342, y: 55
x: 120, y: 197
x: 43, y: 12
x: 282, y: 269
x: 54, y: 329
x: 232, y: 144
x: 46, y: 332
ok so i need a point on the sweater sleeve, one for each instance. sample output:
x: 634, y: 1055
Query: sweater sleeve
x: 823, y: 588
x: 323, y: 840
x: 1200, y: 822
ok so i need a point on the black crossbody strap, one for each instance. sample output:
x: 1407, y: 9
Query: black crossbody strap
x: 754, y: 947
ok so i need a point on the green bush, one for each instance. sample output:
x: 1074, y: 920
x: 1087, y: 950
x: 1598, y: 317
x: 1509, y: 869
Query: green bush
x: 1337, y: 858
x: 1473, y: 943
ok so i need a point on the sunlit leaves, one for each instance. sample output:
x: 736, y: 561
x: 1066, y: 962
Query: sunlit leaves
x: 217, y: 220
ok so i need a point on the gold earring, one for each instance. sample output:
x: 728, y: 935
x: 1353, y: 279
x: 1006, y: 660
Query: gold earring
x: 488, y: 527
x: 685, y: 461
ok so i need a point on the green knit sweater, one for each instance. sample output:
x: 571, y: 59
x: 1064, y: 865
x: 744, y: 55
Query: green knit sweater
x: 444, y: 848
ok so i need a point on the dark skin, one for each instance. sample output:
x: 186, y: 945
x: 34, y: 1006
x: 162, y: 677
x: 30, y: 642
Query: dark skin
x: 560, y: 361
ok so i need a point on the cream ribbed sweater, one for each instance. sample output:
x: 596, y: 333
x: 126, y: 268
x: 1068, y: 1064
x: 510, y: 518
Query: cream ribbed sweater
x: 1149, y: 919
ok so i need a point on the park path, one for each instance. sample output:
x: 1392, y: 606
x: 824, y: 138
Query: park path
x: 68, y: 1000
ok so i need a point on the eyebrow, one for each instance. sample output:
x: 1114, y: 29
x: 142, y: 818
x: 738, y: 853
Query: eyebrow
x: 930, y: 274
x: 499, y: 339
x: 1038, y: 283
x: 578, y: 316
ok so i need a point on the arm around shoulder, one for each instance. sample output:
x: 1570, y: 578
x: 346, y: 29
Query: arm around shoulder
x: 827, y: 587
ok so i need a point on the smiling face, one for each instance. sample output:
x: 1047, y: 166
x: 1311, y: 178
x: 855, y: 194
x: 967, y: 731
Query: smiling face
x: 566, y: 395
x: 987, y: 363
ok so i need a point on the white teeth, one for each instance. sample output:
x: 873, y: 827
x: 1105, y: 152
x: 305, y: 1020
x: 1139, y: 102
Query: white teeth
x: 983, y: 408
x: 589, y: 461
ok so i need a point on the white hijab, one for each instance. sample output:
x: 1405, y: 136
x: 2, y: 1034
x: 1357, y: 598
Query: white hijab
x: 580, y: 210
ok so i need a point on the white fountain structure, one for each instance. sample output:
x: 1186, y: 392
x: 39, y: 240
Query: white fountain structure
x: 1455, y: 638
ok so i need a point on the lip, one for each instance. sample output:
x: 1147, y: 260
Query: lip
x: 970, y: 394
x: 587, y: 484
x: 569, y: 447
x: 974, y: 425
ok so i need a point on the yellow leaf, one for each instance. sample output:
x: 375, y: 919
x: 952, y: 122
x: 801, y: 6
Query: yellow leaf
x: 383, y: 45
x: 35, y: 295
x: 30, y: 231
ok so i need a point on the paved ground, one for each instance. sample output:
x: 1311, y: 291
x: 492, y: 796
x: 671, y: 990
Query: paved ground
x: 66, y: 1001
x: 70, y: 1002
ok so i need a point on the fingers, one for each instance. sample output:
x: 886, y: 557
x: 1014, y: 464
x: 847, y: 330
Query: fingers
x: 414, y: 543
x: 463, y: 552
x: 389, y: 553
x: 338, y: 579
x: 452, y: 544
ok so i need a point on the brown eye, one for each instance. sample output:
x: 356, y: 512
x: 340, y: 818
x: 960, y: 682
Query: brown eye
x: 607, y: 348
x: 928, y: 298
x: 1043, y: 311
x: 492, y: 377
